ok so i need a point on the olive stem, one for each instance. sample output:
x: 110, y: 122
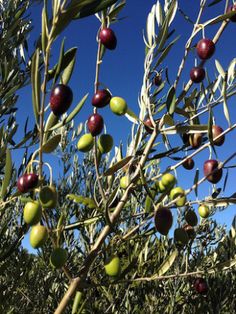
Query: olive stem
x: 190, y: 83
x: 96, y: 83
x: 78, y: 282
x: 188, y: 45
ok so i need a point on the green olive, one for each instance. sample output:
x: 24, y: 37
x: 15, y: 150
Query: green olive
x: 175, y: 193
x: 58, y: 257
x: 38, y: 236
x: 204, y: 211
x: 168, y: 181
x: 32, y: 213
x: 124, y: 182
x: 112, y: 266
x: 85, y: 143
x: 118, y: 106
x: 105, y: 143
x: 48, y: 197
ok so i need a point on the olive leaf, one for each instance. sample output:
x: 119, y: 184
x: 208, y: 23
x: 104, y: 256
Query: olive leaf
x: 61, y: 55
x: 149, y: 201
x: 8, y: 172
x: 120, y: 164
x: 50, y: 145
x: 116, y: 10
x: 44, y: 36
x: 171, y: 100
x: 66, y: 75
x: 36, y: 82
x: 68, y: 57
x: 219, y: 68
x: 52, y: 120
x: 94, y: 7
x: 82, y: 200
x: 166, y: 265
x: 130, y: 115
x: 165, y: 52
x: 195, y: 181
x: 214, y: 2
x: 225, y: 106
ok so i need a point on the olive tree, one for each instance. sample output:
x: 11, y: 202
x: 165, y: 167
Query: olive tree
x: 106, y: 222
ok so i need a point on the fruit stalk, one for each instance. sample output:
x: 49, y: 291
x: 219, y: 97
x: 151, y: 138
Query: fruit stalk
x: 190, y: 83
x: 188, y: 45
x: 96, y: 84
x: 42, y: 107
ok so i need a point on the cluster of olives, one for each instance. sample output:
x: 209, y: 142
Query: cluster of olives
x: 101, y: 99
x: 163, y: 217
x: 211, y: 167
x: 32, y: 215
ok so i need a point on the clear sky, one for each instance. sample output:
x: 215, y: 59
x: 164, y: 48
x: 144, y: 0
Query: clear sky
x: 122, y: 72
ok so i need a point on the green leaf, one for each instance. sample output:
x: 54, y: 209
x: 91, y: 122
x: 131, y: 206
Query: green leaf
x: 120, y: 164
x: 162, y: 36
x: 36, y: 82
x: 165, y: 53
x: 44, y: 36
x: 166, y: 265
x: 69, y: 69
x: 95, y: 7
x: 149, y: 201
x: 61, y: 55
x: 194, y: 128
x: 71, y: 115
x: 196, y: 178
x: 219, y: 68
x: 131, y: 115
x: 220, y: 18
x: 113, y: 13
x: 210, y: 124
x: 171, y: 100
x: 225, y: 106
x: 214, y: 2
x: 8, y: 172
x: 67, y: 59
x: 51, y: 121
x: 82, y: 200
x: 49, y: 146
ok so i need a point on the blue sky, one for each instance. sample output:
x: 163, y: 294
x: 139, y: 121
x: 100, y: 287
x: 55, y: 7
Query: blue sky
x: 122, y: 71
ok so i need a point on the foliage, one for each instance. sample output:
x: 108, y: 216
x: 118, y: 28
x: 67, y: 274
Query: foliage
x: 95, y: 217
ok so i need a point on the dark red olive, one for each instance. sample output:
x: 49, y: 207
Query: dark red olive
x: 200, y: 285
x: 27, y: 182
x: 101, y: 98
x: 189, y: 164
x: 60, y: 99
x: 216, y: 131
x: 95, y: 124
x: 205, y: 48
x: 108, y: 38
x: 157, y: 80
x: 211, y: 171
x: 195, y: 140
x: 190, y: 231
x: 230, y: 9
x: 197, y: 74
x: 148, y: 125
x: 163, y: 220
